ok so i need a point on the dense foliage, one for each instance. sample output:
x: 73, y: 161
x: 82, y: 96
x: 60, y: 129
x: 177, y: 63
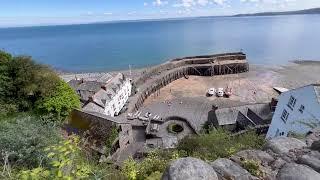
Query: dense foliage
x: 219, y: 144
x: 26, y: 85
x: 67, y: 161
x: 23, y: 139
x: 60, y: 102
x: 151, y: 167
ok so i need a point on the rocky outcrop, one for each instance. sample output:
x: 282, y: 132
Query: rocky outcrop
x: 292, y: 171
x: 283, y: 158
x: 283, y: 145
x: 228, y: 169
x: 189, y: 168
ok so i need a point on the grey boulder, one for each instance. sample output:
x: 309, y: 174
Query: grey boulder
x: 315, y: 146
x: 292, y: 171
x: 311, y: 159
x: 283, y: 145
x: 228, y: 169
x: 189, y: 168
x: 255, y: 155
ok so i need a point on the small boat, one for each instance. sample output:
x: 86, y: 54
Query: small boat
x: 228, y: 92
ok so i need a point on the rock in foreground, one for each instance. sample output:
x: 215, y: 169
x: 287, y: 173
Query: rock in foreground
x: 189, y: 168
x: 292, y: 171
x: 230, y: 170
x: 282, y: 145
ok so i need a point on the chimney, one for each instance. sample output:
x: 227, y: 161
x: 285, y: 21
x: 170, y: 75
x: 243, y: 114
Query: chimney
x: 104, y: 87
x: 90, y: 98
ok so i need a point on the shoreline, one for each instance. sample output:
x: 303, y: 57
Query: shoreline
x: 67, y: 76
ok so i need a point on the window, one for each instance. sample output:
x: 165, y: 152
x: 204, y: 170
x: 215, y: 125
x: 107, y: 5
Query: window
x: 301, y: 109
x: 292, y: 102
x: 284, y: 115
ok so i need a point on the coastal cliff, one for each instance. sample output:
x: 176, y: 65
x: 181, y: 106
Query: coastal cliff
x: 283, y: 158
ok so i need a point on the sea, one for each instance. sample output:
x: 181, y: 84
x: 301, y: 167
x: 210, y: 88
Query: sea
x: 269, y: 40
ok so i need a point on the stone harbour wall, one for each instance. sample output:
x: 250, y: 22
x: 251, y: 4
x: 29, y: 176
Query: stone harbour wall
x: 154, y: 79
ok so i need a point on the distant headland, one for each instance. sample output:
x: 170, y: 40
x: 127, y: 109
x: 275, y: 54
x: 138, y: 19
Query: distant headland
x: 305, y: 11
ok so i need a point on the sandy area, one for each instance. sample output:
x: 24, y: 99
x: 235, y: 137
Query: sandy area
x: 255, y: 86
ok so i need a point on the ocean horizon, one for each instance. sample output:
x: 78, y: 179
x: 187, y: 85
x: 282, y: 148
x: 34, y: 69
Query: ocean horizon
x: 109, y: 46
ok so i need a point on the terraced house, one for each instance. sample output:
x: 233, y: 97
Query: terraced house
x: 107, y: 97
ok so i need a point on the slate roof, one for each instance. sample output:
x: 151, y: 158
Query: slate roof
x: 228, y: 116
x: 74, y: 83
x: 103, y: 96
x: 92, y: 107
x: 92, y: 86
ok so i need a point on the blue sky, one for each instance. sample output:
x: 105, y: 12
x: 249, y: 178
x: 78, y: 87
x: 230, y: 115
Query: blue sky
x: 45, y: 12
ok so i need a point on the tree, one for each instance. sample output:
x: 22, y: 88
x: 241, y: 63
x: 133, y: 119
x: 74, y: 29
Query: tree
x: 26, y: 86
x: 60, y: 103
x: 30, y: 82
x: 5, y: 58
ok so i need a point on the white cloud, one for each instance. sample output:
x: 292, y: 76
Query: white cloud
x: 108, y: 13
x: 145, y: 4
x: 191, y: 3
x: 132, y: 13
x: 159, y: 3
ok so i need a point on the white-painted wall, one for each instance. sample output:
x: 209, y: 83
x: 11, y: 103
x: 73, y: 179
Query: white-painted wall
x: 304, y: 96
x: 119, y: 100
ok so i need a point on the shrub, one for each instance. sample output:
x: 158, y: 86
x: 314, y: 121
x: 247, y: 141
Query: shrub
x: 151, y: 167
x: 68, y: 161
x: 25, y: 84
x: 252, y: 167
x: 24, y: 138
x: 60, y: 103
x: 219, y: 144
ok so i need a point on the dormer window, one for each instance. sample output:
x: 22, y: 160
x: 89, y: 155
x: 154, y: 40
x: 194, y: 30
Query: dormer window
x: 292, y: 102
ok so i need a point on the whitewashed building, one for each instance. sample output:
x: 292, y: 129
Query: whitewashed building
x: 295, y: 111
x: 111, y: 98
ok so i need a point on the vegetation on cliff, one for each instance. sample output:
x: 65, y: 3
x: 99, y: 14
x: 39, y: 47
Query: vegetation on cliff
x: 28, y: 86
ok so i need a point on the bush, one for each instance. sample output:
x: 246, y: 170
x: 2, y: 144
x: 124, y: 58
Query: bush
x: 151, y: 167
x: 25, y: 84
x: 60, y: 103
x: 68, y: 161
x: 24, y: 138
x: 252, y: 167
x: 219, y: 144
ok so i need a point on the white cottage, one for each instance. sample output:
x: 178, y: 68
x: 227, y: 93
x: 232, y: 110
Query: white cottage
x: 111, y: 98
x: 295, y: 110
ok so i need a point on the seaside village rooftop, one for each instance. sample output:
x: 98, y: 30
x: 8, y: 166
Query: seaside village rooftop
x: 106, y: 95
x: 161, y: 105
